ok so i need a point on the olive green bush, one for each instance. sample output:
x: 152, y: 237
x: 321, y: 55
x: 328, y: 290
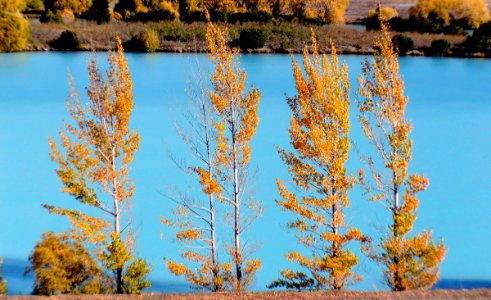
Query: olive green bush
x: 67, y: 41
x: 145, y: 41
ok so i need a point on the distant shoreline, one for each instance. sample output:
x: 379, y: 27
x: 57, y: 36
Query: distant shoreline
x: 282, y: 38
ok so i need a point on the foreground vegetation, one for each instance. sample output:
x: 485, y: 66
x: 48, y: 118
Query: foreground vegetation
x: 432, y: 294
x: 94, y: 153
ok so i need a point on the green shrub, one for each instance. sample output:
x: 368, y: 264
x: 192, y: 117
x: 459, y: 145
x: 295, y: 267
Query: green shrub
x: 67, y: 41
x: 402, y: 43
x: 194, y: 16
x: 440, y: 47
x: 154, y: 16
x: 14, y: 32
x: 259, y: 16
x: 145, y: 41
x: 34, y: 5
x: 50, y: 17
x: 252, y: 38
x: 480, y: 41
x: 135, y: 277
x: 218, y: 16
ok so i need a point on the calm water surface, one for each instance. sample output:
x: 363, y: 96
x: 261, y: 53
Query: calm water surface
x: 450, y: 108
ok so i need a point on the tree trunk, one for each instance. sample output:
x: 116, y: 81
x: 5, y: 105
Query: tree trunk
x: 214, y: 259
x: 117, y: 229
x: 238, y: 258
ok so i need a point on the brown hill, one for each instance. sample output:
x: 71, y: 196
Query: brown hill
x: 358, y: 9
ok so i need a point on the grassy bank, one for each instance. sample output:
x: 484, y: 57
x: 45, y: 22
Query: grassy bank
x: 182, y: 37
x: 432, y: 294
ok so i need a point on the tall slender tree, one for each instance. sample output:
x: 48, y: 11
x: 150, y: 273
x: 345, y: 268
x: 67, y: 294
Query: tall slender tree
x: 319, y: 129
x: 236, y: 124
x: 94, y: 166
x: 409, y: 262
x: 196, y: 216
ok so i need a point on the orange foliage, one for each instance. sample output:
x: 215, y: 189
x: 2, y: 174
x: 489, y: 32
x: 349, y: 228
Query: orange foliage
x: 98, y: 149
x: 195, y: 219
x: 408, y: 262
x: 237, y: 121
x: 475, y: 11
x: 319, y: 131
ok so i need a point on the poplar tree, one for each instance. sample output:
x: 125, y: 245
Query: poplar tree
x: 409, y: 261
x: 319, y: 128
x: 195, y: 217
x: 236, y: 124
x: 98, y: 148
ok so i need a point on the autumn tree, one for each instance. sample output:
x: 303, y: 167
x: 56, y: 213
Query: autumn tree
x: 62, y: 265
x: 380, y: 14
x: 14, y: 28
x: 77, y: 7
x: 319, y: 129
x: 94, y: 166
x: 409, y: 261
x: 476, y: 12
x: 237, y: 120
x: 3, y: 284
x: 195, y: 216
x: 332, y: 11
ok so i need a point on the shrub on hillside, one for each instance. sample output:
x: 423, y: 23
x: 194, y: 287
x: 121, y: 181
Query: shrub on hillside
x: 218, y: 16
x: 258, y: 16
x: 440, y: 47
x: 67, y: 41
x: 402, y: 43
x: 252, y: 38
x: 75, y: 7
x: 194, y: 16
x: 480, y: 41
x: 14, y: 32
x: 34, y: 5
x: 145, y: 41
x: 154, y: 16
x: 50, y: 17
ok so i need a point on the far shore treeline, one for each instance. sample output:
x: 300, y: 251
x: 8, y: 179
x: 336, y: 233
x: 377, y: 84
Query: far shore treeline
x: 95, y: 149
x: 429, y: 27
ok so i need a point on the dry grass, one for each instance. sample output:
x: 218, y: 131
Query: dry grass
x: 434, y: 294
x: 180, y: 37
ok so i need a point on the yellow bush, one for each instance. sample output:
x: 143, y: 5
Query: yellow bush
x: 384, y: 13
x: 476, y: 11
x: 14, y: 32
x: 12, y: 5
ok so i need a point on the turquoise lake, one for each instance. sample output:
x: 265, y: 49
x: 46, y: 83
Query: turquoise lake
x: 449, y: 107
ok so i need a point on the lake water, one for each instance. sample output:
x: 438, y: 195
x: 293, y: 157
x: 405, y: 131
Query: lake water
x: 450, y: 108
